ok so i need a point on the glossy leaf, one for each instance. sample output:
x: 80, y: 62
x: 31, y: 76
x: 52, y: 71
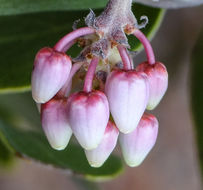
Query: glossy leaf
x: 31, y: 143
x: 197, y: 94
x: 22, y: 36
x: 9, y: 7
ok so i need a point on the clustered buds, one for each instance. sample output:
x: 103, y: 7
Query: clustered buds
x: 123, y: 92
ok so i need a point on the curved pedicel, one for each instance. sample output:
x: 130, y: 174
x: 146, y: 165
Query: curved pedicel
x: 68, y: 40
x: 147, y: 46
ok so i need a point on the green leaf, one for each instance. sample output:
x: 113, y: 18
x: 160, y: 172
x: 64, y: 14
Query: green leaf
x: 155, y: 17
x: 20, y: 43
x: 22, y: 36
x: 197, y: 94
x: 32, y: 143
x: 9, y: 7
x: 6, y: 151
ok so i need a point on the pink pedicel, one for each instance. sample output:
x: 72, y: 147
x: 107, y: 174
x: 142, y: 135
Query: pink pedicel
x: 50, y: 72
x: 147, y: 46
x: 99, y: 155
x: 88, y: 115
x: 65, y: 90
x: 158, y: 82
x: 55, y: 123
x: 128, y: 94
x: 136, y: 145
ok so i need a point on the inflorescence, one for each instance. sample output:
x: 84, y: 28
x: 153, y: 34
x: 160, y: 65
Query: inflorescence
x: 110, y: 86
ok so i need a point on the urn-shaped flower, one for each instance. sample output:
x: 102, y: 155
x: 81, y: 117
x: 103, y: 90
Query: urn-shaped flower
x: 127, y: 92
x: 137, y: 144
x: 99, y: 155
x: 158, y: 82
x: 55, y: 123
x: 50, y: 72
x: 88, y: 115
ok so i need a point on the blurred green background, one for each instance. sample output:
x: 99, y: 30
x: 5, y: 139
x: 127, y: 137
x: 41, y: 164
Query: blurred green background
x: 173, y: 163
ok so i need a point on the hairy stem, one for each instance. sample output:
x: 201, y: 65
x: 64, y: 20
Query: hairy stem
x: 68, y: 39
x: 125, y: 58
x: 117, y: 6
x: 116, y: 13
x: 90, y: 74
x: 147, y: 46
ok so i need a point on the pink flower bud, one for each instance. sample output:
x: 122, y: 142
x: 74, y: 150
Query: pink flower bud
x: 137, y: 144
x: 158, y: 82
x: 55, y: 123
x: 88, y: 115
x: 50, y: 72
x: 99, y: 155
x: 127, y: 92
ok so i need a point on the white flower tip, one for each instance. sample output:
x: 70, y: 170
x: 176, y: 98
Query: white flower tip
x: 134, y: 163
x: 153, y: 104
x: 58, y: 147
x: 95, y: 164
x: 37, y: 99
x: 99, y: 155
x: 126, y: 131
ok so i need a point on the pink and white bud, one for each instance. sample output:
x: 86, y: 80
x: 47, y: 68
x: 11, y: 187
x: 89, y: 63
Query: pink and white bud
x: 55, y: 123
x: 50, y: 72
x: 127, y: 92
x: 136, y: 145
x: 158, y: 82
x: 99, y: 155
x: 88, y: 115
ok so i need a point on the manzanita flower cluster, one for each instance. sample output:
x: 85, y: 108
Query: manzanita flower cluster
x: 110, y: 86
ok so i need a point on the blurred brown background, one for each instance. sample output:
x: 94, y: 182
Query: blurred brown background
x: 173, y: 163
